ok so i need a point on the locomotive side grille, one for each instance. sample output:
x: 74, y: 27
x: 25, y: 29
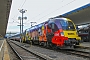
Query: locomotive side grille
x: 70, y: 33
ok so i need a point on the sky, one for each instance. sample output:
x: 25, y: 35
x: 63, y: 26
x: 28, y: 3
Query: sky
x: 39, y: 11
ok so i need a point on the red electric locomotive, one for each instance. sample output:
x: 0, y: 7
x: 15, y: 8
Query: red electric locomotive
x: 54, y: 32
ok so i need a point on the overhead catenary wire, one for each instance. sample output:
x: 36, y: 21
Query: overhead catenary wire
x: 23, y: 3
x: 54, y: 10
x: 14, y: 21
x: 46, y: 10
x: 57, y: 9
x: 20, y: 8
x: 42, y: 12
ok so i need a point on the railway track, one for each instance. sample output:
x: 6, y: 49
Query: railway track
x: 82, y: 47
x: 78, y: 53
x: 55, y: 54
x: 19, y: 57
x: 81, y: 51
x: 25, y: 54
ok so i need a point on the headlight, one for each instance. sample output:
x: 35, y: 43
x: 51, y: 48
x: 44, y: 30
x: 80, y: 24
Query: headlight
x: 62, y: 34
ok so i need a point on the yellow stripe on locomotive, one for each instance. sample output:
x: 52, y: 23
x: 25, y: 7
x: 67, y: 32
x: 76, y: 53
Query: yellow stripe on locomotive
x: 71, y: 33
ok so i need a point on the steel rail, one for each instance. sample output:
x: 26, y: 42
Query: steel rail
x: 15, y: 51
x: 42, y: 56
x: 77, y: 52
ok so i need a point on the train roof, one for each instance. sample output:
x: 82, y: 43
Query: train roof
x: 17, y: 34
x: 36, y: 26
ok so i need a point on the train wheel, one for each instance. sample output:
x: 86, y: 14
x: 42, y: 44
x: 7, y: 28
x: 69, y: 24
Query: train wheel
x: 40, y: 43
x: 54, y: 46
x: 30, y: 42
x: 50, y: 45
x: 45, y: 44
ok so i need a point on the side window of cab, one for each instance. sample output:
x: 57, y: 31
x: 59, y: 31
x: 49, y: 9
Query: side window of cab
x: 52, y: 26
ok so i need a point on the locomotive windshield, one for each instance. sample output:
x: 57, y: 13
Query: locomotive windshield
x: 57, y: 24
x: 67, y: 25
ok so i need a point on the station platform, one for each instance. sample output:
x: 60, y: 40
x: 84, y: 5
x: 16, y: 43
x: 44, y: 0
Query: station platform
x: 4, y: 54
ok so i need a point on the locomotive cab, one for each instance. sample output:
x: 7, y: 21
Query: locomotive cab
x: 64, y: 32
